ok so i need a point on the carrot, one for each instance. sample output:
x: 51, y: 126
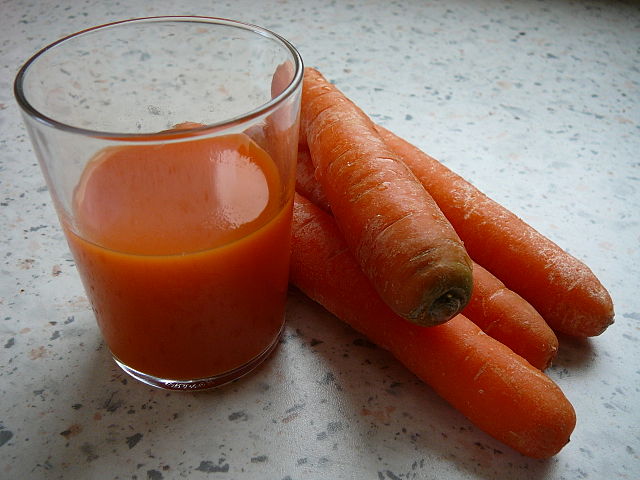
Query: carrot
x: 498, y: 311
x: 493, y: 387
x: 306, y: 182
x: 397, y: 233
x: 560, y: 287
x: 510, y: 319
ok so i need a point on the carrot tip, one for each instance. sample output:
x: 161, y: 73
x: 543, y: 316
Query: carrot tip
x: 448, y: 305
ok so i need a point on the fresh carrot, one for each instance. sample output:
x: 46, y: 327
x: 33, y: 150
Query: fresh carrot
x: 510, y: 319
x: 498, y: 311
x: 560, y: 287
x: 306, y: 182
x: 397, y: 233
x: 492, y: 386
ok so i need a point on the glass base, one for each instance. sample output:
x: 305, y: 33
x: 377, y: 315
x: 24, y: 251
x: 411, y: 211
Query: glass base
x: 202, y: 383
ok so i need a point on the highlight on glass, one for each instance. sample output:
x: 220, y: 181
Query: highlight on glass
x: 168, y: 145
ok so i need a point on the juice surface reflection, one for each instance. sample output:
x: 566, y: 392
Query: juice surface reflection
x: 183, y: 249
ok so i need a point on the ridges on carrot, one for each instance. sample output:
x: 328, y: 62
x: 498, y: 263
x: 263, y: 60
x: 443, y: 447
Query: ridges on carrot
x: 306, y: 182
x: 492, y: 386
x: 498, y: 311
x: 397, y: 233
x: 510, y: 319
x: 559, y: 286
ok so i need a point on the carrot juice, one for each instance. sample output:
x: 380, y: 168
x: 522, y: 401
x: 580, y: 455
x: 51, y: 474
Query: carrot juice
x: 183, y: 249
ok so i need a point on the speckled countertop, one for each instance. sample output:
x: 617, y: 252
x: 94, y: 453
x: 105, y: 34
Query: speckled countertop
x: 537, y: 103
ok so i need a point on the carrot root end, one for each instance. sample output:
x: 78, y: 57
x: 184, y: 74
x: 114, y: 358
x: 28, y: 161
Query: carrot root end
x: 447, y: 306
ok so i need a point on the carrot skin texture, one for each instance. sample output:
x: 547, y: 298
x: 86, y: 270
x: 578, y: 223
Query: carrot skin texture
x: 560, y: 287
x: 510, y: 319
x: 498, y: 311
x: 492, y: 386
x: 397, y: 233
x: 306, y: 182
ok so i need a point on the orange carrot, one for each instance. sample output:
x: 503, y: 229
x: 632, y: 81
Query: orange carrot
x: 306, y: 182
x: 398, y: 235
x: 487, y: 382
x: 510, y: 319
x: 560, y: 287
x: 498, y: 311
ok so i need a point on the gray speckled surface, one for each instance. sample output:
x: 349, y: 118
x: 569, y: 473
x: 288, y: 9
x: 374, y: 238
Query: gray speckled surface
x: 537, y: 103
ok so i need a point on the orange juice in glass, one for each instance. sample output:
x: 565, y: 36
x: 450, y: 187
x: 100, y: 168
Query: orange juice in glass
x: 169, y: 147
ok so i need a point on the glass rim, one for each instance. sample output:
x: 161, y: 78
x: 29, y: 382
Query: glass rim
x: 263, y: 109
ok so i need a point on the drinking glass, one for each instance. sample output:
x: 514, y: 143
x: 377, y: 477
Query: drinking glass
x: 169, y: 147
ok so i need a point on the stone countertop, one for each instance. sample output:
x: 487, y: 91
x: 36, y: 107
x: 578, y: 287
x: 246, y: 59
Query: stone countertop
x: 536, y: 103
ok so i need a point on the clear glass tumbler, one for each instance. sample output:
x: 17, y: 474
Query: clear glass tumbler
x: 169, y: 147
